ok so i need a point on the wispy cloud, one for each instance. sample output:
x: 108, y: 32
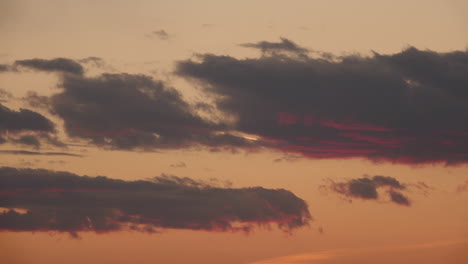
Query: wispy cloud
x: 160, y: 34
x: 367, y: 188
x: 362, y: 255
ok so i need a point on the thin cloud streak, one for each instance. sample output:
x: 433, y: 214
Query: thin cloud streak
x: 341, y: 255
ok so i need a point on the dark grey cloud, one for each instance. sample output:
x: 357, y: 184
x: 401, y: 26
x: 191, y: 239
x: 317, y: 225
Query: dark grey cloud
x: 65, y: 202
x: 63, y: 65
x: 288, y: 158
x: 399, y: 198
x: 276, y: 48
x: 409, y: 107
x: 27, y: 128
x: 23, y: 120
x: 126, y: 111
x: 160, y: 34
x: 29, y: 140
x: 24, y: 152
x: 368, y: 189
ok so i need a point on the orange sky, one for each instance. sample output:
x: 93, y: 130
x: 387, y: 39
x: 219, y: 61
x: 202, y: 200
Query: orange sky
x: 434, y: 229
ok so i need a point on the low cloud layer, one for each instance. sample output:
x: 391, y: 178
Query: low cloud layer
x: 409, y: 107
x: 36, y: 153
x: 160, y: 34
x: 368, y: 189
x: 65, y: 202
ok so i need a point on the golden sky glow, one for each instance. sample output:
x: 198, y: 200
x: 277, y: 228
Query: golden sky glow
x: 124, y: 35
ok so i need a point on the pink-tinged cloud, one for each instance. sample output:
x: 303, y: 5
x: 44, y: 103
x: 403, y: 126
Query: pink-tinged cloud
x: 285, y: 119
x: 370, y: 188
x: 65, y: 202
x: 408, y: 107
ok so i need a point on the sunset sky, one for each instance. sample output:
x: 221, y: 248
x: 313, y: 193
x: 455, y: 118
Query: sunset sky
x: 234, y: 132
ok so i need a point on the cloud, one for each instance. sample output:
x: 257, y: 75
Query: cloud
x: 367, y: 189
x: 287, y: 158
x: 127, y: 111
x: 24, y: 152
x: 276, y: 48
x: 180, y: 164
x: 409, y: 107
x: 65, y: 202
x: 160, y: 34
x: 35, y: 100
x: 23, y: 120
x: 63, y: 65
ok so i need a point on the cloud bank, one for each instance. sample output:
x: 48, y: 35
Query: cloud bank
x: 66, y: 202
x: 409, y: 107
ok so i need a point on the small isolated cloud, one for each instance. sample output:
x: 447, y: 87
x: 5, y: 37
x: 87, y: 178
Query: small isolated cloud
x: 367, y: 188
x: 160, y: 34
x: 62, y: 65
x: 275, y: 48
x: 180, y: 164
x: 410, y: 107
x: 44, y: 200
x: 288, y: 158
x: 57, y: 162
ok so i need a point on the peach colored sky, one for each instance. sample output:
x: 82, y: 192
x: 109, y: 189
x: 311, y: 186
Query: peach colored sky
x: 433, y: 230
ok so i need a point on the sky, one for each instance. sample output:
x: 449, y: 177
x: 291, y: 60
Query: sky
x: 237, y: 132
